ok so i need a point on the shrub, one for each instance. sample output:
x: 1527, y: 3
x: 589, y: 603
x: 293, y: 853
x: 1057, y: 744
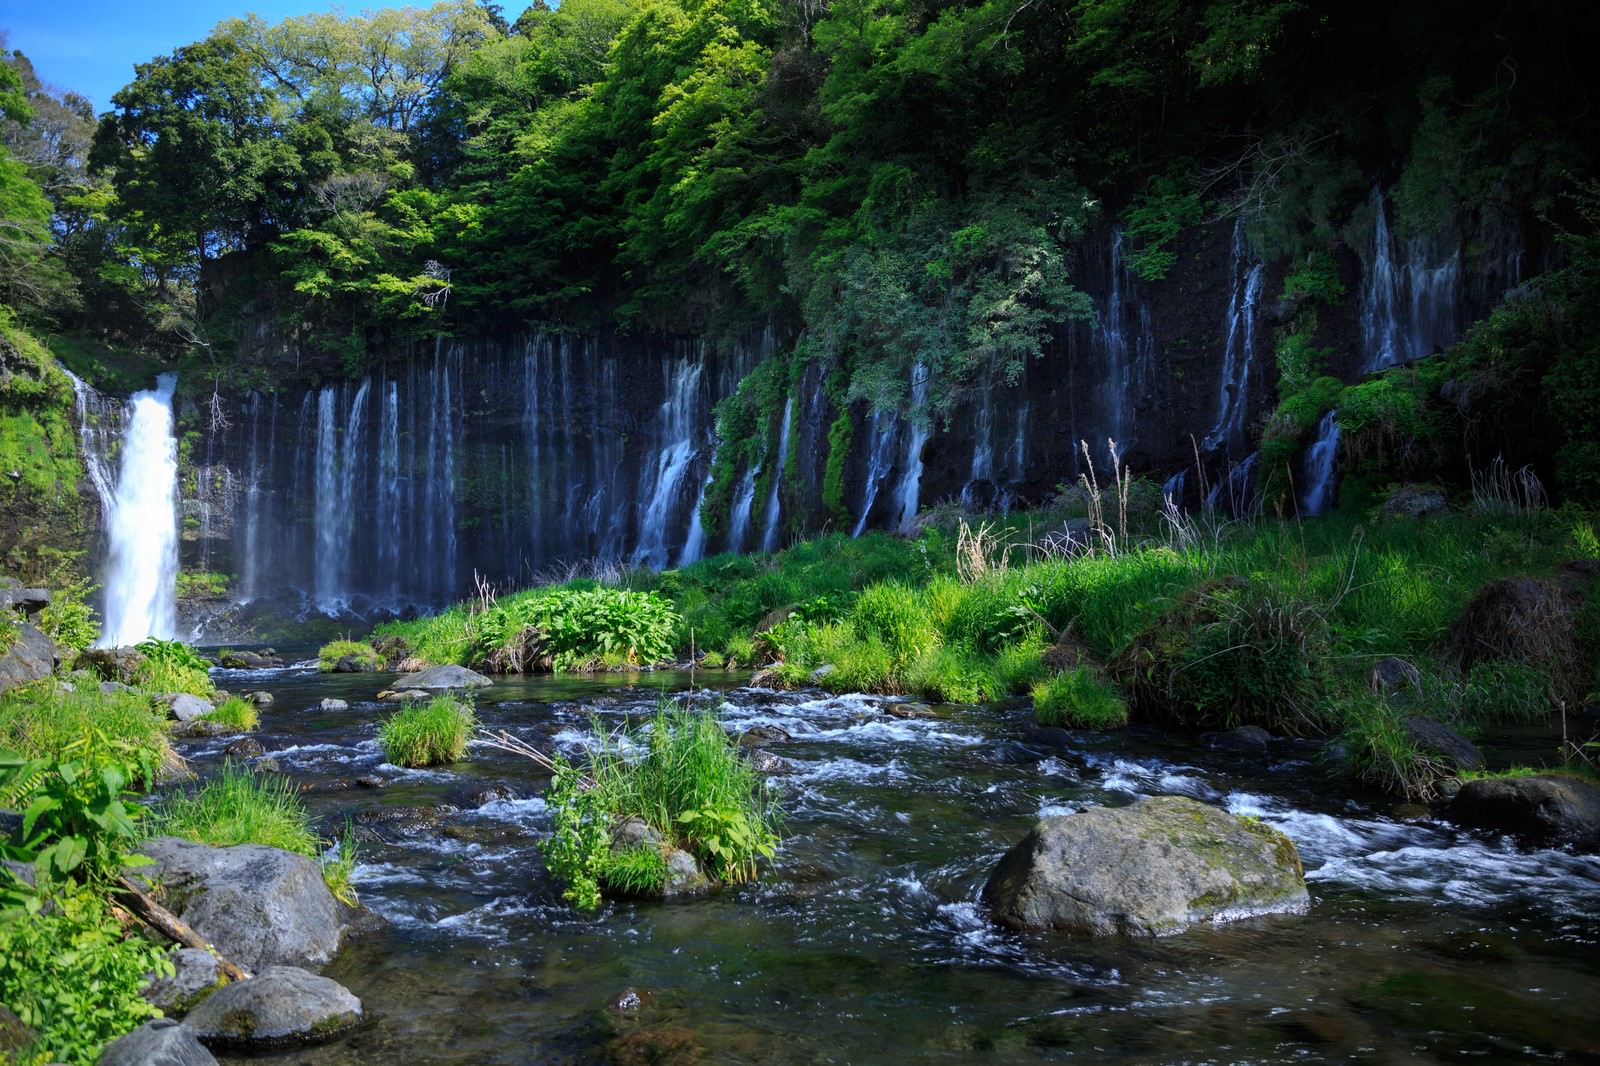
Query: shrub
x: 1077, y: 699
x: 365, y: 654
x: 236, y: 713
x: 1017, y: 667
x: 739, y: 651
x: 428, y: 734
x: 68, y: 619
x: 568, y: 628
x: 712, y: 660
x: 172, y: 666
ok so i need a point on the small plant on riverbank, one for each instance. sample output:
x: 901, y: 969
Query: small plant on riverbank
x: 364, y: 655
x: 427, y: 734
x: 575, y: 628
x: 172, y: 666
x: 46, y: 719
x: 1078, y: 700
x: 235, y: 712
x: 1375, y: 748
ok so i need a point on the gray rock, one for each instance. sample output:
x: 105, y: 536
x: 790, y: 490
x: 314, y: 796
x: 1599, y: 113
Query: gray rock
x: 260, y: 906
x: 1395, y: 679
x: 1414, y: 501
x: 441, y: 677
x: 1549, y: 809
x: 199, y: 727
x: 185, y: 707
x: 194, y: 976
x: 249, y: 660
x: 1247, y: 739
x: 402, y: 695
x: 14, y: 1036
x: 31, y: 658
x: 684, y: 876
x: 279, y: 1007
x: 821, y: 673
x: 355, y: 664
x: 764, y: 762
x: 1440, y: 739
x: 1157, y: 866
x: 28, y: 601
x: 244, y: 748
x: 111, y: 664
x: 109, y: 688
x: 331, y: 704
x: 260, y: 699
x: 162, y: 1042
x: 757, y: 735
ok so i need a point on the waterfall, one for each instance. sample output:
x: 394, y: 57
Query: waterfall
x: 1319, y: 468
x: 1172, y: 488
x: 1239, y: 350
x: 662, y: 487
x: 1409, y: 294
x: 142, y: 524
x: 389, y: 487
x: 94, y: 438
x: 1115, y: 344
x: 769, y: 536
x: 1235, y: 492
x: 881, y: 428
x: 744, y: 498
x: 694, y: 545
x: 905, y: 495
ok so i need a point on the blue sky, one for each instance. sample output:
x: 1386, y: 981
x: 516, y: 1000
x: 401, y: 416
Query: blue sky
x: 90, y: 46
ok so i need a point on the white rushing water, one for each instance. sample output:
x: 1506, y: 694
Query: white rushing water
x: 661, y: 486
x: 906, y: 493
x: 769, y: 534
x: 1239, y: 350
x: 882, y: 428
x: 142, y: 524
x: 744, y: 498
x: 1409, y: 293
x: 1319, y: 476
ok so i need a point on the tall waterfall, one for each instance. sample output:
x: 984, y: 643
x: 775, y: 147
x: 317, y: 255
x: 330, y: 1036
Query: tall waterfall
x: 663, y: 481
x: 1410, y: 294
x: 142, y: 524
x: 1319, y: 468
x: 906, y: 493
x: 1239, y: 350
x: 770, y: 532
x: 882, y: 428
x: 744, y: 500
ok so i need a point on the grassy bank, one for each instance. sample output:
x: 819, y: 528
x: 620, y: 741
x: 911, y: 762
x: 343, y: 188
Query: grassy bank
x: 1190, y: 626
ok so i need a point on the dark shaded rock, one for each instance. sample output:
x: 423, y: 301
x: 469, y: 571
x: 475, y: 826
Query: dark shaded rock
x: 194, y: 977
x: 14, y: 1036
x: 1068, y: 654
x: 630, y: 1003
x: 774, y: 617
x: 111, y: 664
x: 198, y: 727
x: 244, y: 748
x: 764, y: 762
x: 1154, y: 867
x: 909, y: 710
x: 1527, y: 620
x: 371, y: 782
x: 355, y: 664
x: 758, y: 735
x: 332, y: 704
x: 1439, y: 739
x: 412, y: 665
x: 249, y: 660
x: 186, y: 707
x: 1395, y: 679
x: 447, y: 677
x: 656, y: 1046
x: 109, y: 688
x: 821, y: 673
x: 1547, y: 809
x: 281, y: 1006
x: 1414, y: 501
x: 26, y: 601
x: 393, y: 649
x: 31, y: 658
x: 162, y: 1042
x: 260, y: 699
x: 1016, y: 753
x: 1247, y: 739
x: 1051, y: 736
x: 260, y: 906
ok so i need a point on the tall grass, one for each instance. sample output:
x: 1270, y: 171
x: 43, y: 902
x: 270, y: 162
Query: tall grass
x: 46, y: 719
x: 236, y: 713
x: 428, y: 734
x: 1079, y: 700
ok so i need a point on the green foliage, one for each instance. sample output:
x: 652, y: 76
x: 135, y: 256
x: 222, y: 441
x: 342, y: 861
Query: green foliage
x: 72, y: 975
x: 428, y: 734
x: 237, y: 806
x: 1375, y: 748
x: 1315, y: 279
x: 68, y: 619
x: 575, y: 626
x: 575, y: 853
x: 952, y: 675
x: 329, y: 654
x: 74, y: 823
x: 236, y: 713
x: 1079, y: 700
x: 48, y: 720
x: 172, y: 666
x: 1154, y: 219
x: 199, y: 584
x: 840, y: 434
x: 891, y: 615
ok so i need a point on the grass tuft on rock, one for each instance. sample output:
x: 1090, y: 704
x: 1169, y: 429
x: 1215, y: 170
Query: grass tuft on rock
x: 235, y: 712
x: 364, y: 654
x: 428, y: 734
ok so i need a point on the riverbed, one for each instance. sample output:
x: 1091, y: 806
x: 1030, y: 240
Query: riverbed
x: 863, y: 941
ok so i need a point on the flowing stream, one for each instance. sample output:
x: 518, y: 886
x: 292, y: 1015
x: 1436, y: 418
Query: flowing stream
x: 864, y: 940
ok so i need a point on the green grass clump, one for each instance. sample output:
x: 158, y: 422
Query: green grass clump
x: 428, y: 734
x: 172, y: 666
x: 1078, y: 700
x: 47, y: 720
x: 236, y: 713
x: 891, y: 614
x: 953, y: 675
x: 240, y: 807
x: 329, y: 654
x: 1374, y: 748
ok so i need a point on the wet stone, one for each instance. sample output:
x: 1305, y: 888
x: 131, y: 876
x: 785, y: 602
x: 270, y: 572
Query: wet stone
x: 758, y: 735
x: 331, y: 704
x: 244, y: 748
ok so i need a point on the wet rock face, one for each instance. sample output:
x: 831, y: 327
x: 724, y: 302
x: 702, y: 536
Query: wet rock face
x: 447, y: 677
x: 31, y: 658
x: 260, y: 906
x: 1544, y: 810
x: 1157, y: 866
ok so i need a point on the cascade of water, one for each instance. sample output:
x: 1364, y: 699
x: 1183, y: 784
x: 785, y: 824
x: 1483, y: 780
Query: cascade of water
x: 905, y: 494
x: 142, y: 523
x: 1115, y: 344
x: 694, y: 545
x: 1172, y: 488
x: 329, y: 505
x: 744, y: 498
x: 662, y: 487
x: 94, y: 438
x: 882, y: 429
x: 1235, y: 493
x: 1319, y: 468
x: 389, y: 487
x: 1408, y: 301
x: 1240, y: 348
x: 769, y: 535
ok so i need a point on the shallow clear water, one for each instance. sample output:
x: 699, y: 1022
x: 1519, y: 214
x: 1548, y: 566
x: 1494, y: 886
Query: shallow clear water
x: 864, y: 942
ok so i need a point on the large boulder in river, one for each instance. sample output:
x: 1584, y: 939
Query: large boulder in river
x: 1546, y: 809
x: 30, y: 658
x: 279, y: 1007
x: 443, y: 677
x: 1154, y: 867
x: 259, y: 906
x: 162, y: 1042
